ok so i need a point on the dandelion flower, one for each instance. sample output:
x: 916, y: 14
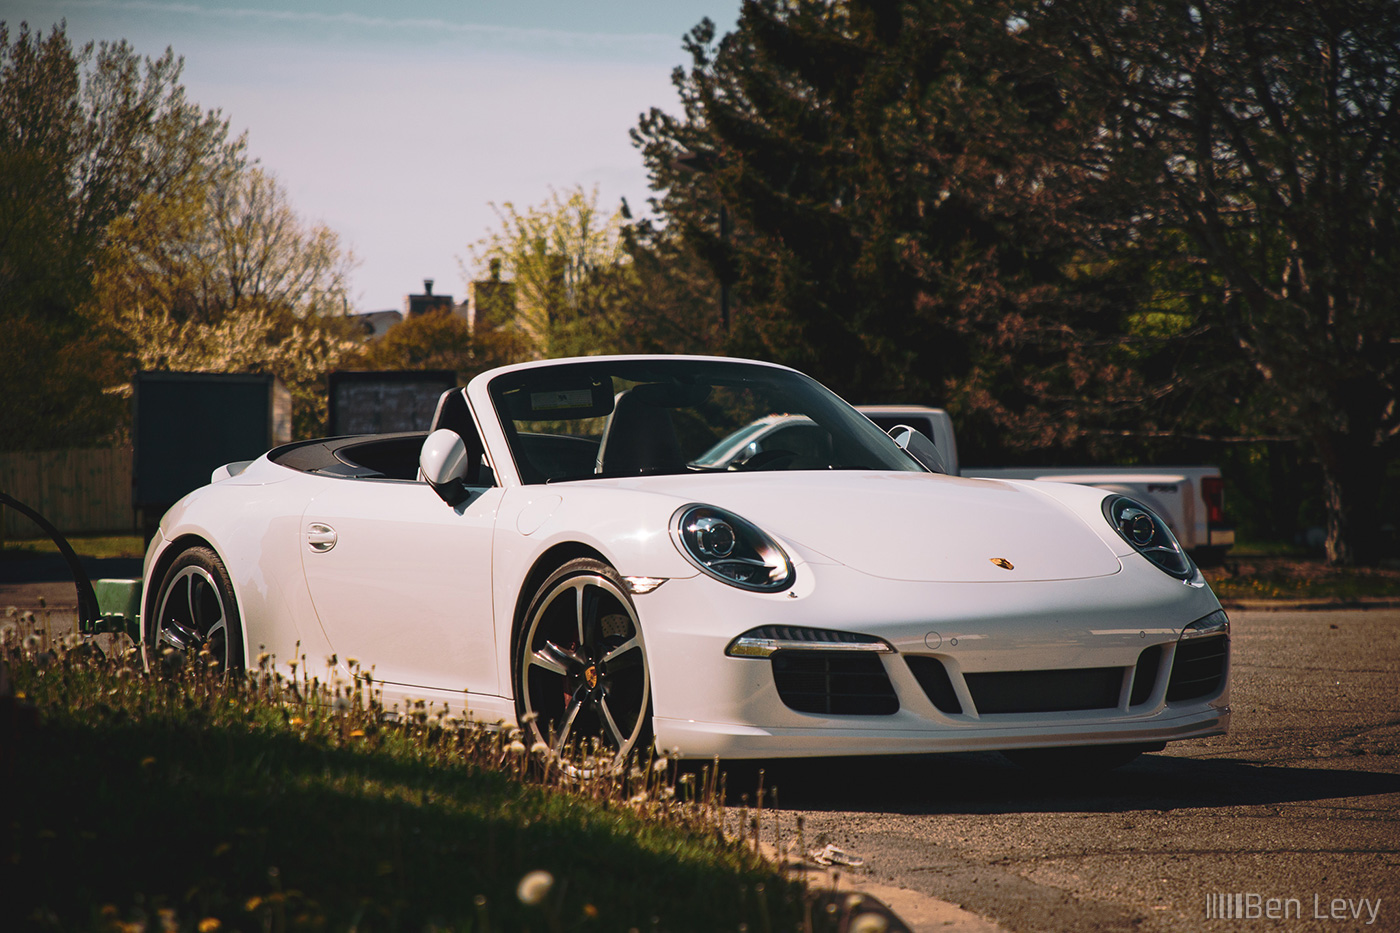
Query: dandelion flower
x: 534, y: 888
x: 590, y: 911
x: 209, y: 925
x: 869, y: 923
x: 253, y: 903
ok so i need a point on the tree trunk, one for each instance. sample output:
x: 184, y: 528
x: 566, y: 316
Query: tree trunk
x: 1352, y: 473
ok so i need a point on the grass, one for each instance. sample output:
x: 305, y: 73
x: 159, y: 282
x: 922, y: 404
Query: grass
x: 1266, y: 577
x: 100, y: 546
x: 189, y: 800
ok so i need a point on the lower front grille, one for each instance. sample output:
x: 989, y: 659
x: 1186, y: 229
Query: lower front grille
x: 834, y: 682
x: 1198, y: 669
x: 1045, y: 691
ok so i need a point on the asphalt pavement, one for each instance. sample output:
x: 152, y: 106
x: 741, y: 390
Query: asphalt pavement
x: 1293, y: 814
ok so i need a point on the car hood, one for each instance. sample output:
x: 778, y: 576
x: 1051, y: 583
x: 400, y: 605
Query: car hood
x: 909, y: 526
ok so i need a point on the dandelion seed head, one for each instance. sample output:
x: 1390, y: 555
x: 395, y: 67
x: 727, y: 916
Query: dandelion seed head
x: 516, y: 747
x: 534, y: 888
x: 540, y: 749
x: 660, y: 764
x: 32, y: 643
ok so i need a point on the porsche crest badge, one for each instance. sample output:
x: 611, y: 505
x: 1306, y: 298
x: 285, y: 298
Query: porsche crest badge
x: 1003, y: 563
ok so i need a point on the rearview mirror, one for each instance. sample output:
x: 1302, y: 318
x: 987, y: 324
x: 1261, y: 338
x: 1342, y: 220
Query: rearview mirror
x: 443, y: 463
x: 919, y: 447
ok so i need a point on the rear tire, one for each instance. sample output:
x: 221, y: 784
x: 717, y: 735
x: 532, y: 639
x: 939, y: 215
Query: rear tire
x: 196, y: 610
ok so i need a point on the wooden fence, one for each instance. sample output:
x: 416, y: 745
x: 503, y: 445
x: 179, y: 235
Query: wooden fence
x: 80, y: 491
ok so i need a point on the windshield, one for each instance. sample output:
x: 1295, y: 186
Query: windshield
x: 610, y: 418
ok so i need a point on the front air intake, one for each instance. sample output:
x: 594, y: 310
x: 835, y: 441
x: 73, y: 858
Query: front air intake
x: 837, y: 683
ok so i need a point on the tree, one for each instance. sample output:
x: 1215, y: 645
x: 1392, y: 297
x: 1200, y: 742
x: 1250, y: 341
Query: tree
x: 1262, y: 142
x: 225, y: 241
x: 217, y: 273
x: 569, y: 267
x: 299, y: 351
x: 83, y: 135
x: 440, y: 339
x: 899, y: 222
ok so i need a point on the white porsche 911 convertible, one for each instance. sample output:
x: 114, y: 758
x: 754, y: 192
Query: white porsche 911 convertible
x: 589, y: 547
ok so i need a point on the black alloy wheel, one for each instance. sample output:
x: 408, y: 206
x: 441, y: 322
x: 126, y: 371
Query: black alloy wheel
x: 195, y: 611
x: 580, y: 664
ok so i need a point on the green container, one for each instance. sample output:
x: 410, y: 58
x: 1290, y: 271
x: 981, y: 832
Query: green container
x: 119, y: 603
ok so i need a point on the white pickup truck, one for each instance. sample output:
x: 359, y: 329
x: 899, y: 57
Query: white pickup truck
x: 1190, y: 499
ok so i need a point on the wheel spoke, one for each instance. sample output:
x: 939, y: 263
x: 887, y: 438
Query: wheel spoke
x: 566, y: 727
x: 618, y: 739
x: 555, y: 659
x: 614, y: 659
x: 178, y: 636
x: 206, y: 609
x: 587, y: 609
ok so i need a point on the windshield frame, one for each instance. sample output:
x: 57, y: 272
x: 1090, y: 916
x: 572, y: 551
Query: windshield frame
x: 504, y: 391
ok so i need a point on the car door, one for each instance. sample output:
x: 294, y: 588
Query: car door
x: 401, y: 581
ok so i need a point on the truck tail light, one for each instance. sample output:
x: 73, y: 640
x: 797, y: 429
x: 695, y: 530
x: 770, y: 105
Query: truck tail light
x: 1213, y: 492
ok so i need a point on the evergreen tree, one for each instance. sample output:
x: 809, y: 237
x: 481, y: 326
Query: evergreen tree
x: 898, y: 220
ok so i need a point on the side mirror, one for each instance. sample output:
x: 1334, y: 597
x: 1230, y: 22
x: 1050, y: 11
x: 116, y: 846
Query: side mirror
x: 443, y: 463
x: 919, y: 447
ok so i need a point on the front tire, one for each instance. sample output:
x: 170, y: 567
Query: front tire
x: 580, y: 664
x: 196, y: 610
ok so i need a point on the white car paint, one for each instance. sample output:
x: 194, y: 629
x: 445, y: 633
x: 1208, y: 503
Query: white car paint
x: 428, y: 595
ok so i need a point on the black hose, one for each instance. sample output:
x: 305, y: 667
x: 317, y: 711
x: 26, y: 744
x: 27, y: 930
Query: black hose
x: 88, y: 613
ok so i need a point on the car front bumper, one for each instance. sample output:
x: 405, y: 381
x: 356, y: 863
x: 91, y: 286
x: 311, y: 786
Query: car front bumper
x: 1005, y: 648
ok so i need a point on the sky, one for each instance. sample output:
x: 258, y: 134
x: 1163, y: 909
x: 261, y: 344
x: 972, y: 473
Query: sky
x: 398, y: 124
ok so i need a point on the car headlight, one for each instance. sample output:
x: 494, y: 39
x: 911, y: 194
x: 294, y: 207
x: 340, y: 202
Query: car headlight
x: 1149, y: 535
x: 731, y: 549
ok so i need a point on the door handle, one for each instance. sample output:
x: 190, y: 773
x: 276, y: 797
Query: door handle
x: 320, y: 537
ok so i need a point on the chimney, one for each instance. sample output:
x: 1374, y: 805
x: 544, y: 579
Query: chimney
x: 428, y: 287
